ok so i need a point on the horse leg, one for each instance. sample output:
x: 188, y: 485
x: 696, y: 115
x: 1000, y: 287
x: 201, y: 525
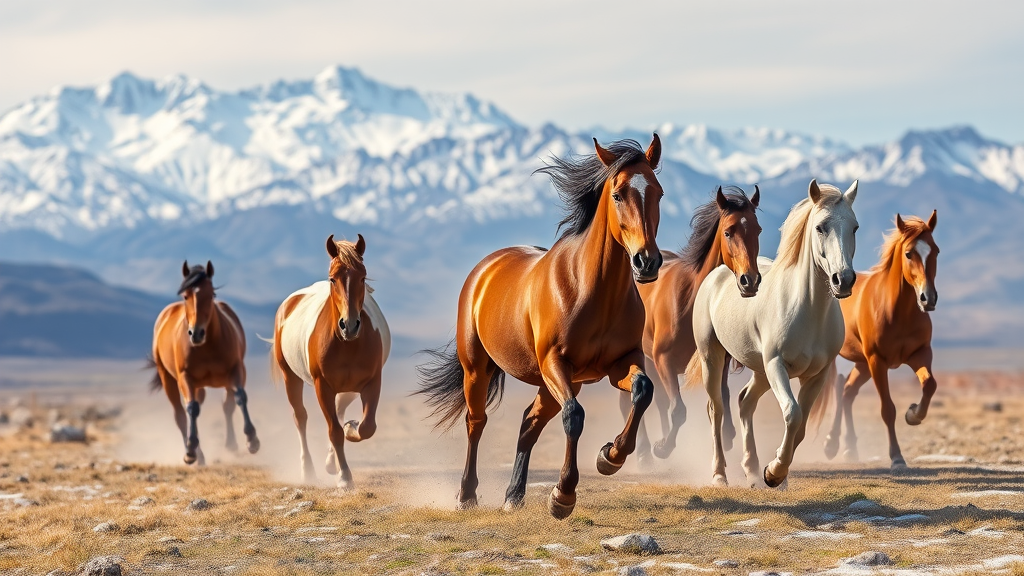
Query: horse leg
x: 557, y: 378
x: 880, y: 374
x: 477, y: 369
x: 643, y: 441
x: 356, y: 431
x: 832, y: 438
x: 192, y: 399
x: 778, y: 378
x: 325, y: 395
x: 293, y: 387
x: 627, y: 375
x: 668, y: 373
x: 728, y: 428
x: 341, y: 403
x: 748, y: 399
x: 921, y: 363
x: 810, y: 389
x: 229, y: 416
x: 252, y: 443
x: 170, y: 386
x: 710, y: 370
x: 537, y: 415
x: 859, y: 375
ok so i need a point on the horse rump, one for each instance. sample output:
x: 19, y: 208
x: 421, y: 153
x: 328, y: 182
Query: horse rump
x: 442, y: 382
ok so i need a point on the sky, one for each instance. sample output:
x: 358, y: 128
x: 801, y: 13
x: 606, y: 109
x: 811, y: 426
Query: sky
x: 862, y: 72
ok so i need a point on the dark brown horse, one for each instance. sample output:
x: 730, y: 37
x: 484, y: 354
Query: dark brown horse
x: 887, y: 325
x: 559, y: 318
x: 333, y: 336
x: 725, y: 231
x: 198, y: 343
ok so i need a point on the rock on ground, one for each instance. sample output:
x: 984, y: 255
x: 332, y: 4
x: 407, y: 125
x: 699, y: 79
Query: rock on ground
x: 864, y: 506
x: 105, y: 527
x: 726, y: 563
x: 199, y: 504
x: 633, y: 543
x: 632, y: 571
x: 867, y: 559
x: 103, y: 566
x: 66, y: 433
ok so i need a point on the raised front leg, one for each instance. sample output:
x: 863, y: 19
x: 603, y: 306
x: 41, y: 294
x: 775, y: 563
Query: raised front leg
x: 369, y: 396
x: 748, y: 399
x: 778, y: 378
x: 537, y: 415
x: 880, y: 374
x: 644, y: 458
x: 921, y: 363
x: 668, y: 374
x: 628, y: 375
x: 252, y: 443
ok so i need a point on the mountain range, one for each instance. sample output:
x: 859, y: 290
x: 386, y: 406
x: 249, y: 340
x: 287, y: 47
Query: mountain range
x: 132, y: 176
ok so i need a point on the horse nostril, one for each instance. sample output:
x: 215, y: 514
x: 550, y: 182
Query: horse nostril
x: 923, y: 297
x: 356, y: 327
x: 758, y: 277
x: 835, y: 279
x: 638, y: 261
x: 743, y: 280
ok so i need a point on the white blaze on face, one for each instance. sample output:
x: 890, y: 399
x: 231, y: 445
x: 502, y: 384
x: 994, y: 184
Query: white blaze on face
x: 639, y: 181
x: 923, y: 250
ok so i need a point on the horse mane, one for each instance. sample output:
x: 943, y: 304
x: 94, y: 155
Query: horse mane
x: 705, y: 226
x: 347, y: 256
x: 579, y: 181
x: 914, y: 225
x: 792, y: 242
x: 196, y: 276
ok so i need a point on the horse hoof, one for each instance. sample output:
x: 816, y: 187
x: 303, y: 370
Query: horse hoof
x: 561, y: 505
x: 719, y: 480
x: 831, y: 447
x: 253, y: 444
x: 190, y: 458
x: 511, y: 505
x: 899, y: 465
x: 604, y: 464
x: 663, y: 449
x: 467, y: 504
x: 850, y: 455
x: 645, y: 462
x: 911, y: 416
x: 346, y: 485
x: 351, y: 429
x: 771, y: 480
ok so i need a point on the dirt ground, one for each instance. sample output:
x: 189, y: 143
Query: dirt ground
x: 959, y: 509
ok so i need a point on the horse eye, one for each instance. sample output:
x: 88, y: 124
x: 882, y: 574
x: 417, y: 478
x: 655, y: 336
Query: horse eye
x: 617, y: 197
x: 908, y: 254
x: 819, y: 229
x: 728, y: 234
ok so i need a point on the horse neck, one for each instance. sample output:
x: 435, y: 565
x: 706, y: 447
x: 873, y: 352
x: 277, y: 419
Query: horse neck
x: 815, y: 284
x: 600, y: 257
x: 214, y: 326
x: 714, y: 259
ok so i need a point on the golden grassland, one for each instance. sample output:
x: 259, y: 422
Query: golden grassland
x: 258, y: 524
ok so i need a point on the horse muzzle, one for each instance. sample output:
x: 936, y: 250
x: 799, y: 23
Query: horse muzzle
x: 842, y: 283
x: 197, y: 336
x: 349, y: 330
x: 748, y: 284
x: 927, y: 300
x: 645, y: 266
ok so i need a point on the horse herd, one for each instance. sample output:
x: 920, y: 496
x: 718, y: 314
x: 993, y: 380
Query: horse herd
x: 603, y: 301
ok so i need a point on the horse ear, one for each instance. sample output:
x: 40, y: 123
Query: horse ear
x: 654, y: 152
x: 851, y: 194
x: 184, y: 269
x: 723, y: 202
x: 899, y: 223
x: 332, y: 247
x: 360, y: 245
x: 209, y: 269
x: 813, y: 192
x: 756, y: 198
x: 606, y: 157
x: 933, y: 220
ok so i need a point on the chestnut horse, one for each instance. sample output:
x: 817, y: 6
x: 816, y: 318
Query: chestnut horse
x: 887, y: 325
x: 559, y: 318
x: 725, y: 231
x: 333, y: 335
x: 199, y: 343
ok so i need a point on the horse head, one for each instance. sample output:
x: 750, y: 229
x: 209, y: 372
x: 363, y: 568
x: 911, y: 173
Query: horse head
x: 739, y: 237
x: 833, y: 240
x: 348, y: 284
x: 197, y: 290
x: 920, y: 258
x: 632, y: 200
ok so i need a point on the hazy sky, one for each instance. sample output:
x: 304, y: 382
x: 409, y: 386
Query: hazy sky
x: 861, y: 71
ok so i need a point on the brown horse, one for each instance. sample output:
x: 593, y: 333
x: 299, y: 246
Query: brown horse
x: 333, y: 335
x: 197, y: 344
x: 725, y: 231
x: 559, y: 318
x: 887, y: 325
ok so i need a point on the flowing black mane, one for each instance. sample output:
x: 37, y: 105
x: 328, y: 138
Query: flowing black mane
x: 705, y: 224
x: 195, y: 277
x: 580, y: 179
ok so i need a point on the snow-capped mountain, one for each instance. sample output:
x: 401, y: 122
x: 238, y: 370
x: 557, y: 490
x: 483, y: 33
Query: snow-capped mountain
x: 133, y: 175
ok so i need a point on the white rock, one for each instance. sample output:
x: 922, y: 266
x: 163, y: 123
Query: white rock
x: 872, y: 558
x: 633, y: 543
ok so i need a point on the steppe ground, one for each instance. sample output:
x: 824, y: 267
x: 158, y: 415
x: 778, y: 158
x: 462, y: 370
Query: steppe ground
x: 960, y: 509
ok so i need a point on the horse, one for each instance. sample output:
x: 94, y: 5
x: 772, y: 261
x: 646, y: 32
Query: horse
x: 792, y: 329
x: 558, y: 319
x: 725, y: 231
x: 333, y: 336
x: 887, y: 325
x: 199, y: 343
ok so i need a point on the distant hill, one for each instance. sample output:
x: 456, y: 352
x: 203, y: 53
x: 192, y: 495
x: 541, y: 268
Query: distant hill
x: 54, y: 311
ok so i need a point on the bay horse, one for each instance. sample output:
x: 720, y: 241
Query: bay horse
x: 725, y: 231
x: 333, y: 335
x: 887, y: 325
x: 792, y: 329
x: 558, y: 319
x: 199, y: 343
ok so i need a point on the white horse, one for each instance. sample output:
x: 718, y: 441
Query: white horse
x: 793, y: 328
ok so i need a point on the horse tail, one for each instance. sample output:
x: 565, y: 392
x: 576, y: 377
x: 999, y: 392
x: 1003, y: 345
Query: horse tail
x: 825, y: 402
x: 275, y: 372
x: 155, y: 383
x: 694, y: 375
x: 442, y: 382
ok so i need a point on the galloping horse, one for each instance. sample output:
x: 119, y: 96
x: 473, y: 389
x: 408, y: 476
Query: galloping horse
x: 887, y: 325
x: 199, y: 343
x: 793, y: 329
x: 725, y: 231
x: 559, y: 318
x: 333, y: 335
